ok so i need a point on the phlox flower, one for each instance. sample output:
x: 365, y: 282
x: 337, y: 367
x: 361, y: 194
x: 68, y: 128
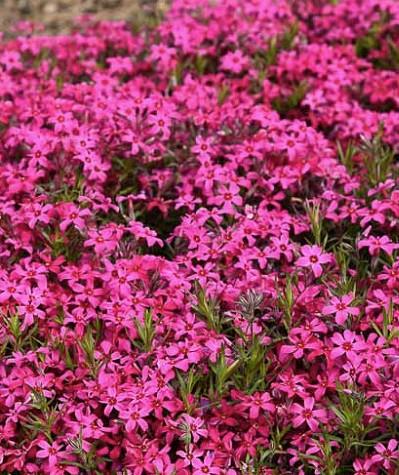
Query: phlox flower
x: 71, y: 214
x: 298, y: 343
x: 376, y: 244
x: 187, y: 457
x: 348, y: 344
x: 257, y: 402
x: 234, y: 62
x: 227, y: 197
x: 135, y: 416
x: 386, y: 454
x: 205, y: 466
x: 204, y: 273
x: 29, y: 304
x: 364, y: 467
x: 341, y: 308
x: 203, y: 148
x: 183, y: 354
x: 164, y: 55
x: 141, y: 231
x: 104, y: 241
x: 390, y: 275
x: 52, y: 452
x: 313, y: 257
x: 307, y: 414
x: 281, y: 246
x: 38, y: 213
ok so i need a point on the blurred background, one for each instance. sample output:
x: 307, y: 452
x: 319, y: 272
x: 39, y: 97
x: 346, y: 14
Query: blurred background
x: 57, y: 15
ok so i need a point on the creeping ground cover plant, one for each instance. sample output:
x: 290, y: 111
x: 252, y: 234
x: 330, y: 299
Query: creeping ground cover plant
x: 199, y: 251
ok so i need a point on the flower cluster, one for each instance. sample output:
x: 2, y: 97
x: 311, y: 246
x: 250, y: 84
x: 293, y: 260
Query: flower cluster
x: 199, y: 256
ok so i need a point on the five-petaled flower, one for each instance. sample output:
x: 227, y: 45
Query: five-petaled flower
x: 308, y: 414
x: 313, y: 256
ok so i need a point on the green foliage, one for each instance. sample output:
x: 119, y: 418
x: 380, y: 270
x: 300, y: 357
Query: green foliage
x: 190, y: 385
x: 19, y: 340
x: 365, y: 44
x: 266, y: 456
x: 208, y: 309
x: 223, y: 94
x: 316, y: 222
x: 378, y: 159
x: 253, y: 364
x: 146, y: 331
x: 388, y: 330
x: 376, y: 156
x: 349, y: 410
x: 346, y: 156
x: 285, y: 41
x: 42, y: 417
x: 67, y: 244
x: 87, y: 461
x: 88, y: 345
x: 285, y: 104
x: 223, y: 373
x: 286, y: 302
x: 371, y: 40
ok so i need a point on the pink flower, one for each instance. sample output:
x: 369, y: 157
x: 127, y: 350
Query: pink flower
x: 308, y: 414
x: 135, y: 416
x: 196, y: 427
x: 340, y: 307
x: 71, y: 214
x: 104, y: 241
x: 206, y: 466
x: 282, y: 246
x: 141, y: 231
x: 203, y: 148
x: 235, y: 62
x: 375, y: 244
x: 184, y: 354
x: 227, y: 197
x: 29, y: 306
x: 51, y: 452
x: 313, y: 257
x: 387, y: 455
x: 364, y: 467
x: 188, y: 457
x: 348, y: 344
x: 257, y: 402
x: 299, y: 342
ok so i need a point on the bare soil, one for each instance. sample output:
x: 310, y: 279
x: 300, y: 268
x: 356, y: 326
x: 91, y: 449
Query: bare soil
x: 57, y: 16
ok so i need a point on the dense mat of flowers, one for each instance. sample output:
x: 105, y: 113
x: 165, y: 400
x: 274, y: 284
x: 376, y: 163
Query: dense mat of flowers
x: 199, y: 224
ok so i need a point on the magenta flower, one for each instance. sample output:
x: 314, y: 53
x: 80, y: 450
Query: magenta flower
x: 298, y: 343
x: 386, y: 454
x: 234, y: 62
x: 313, y: 257
x: 134, y: 416
x: 307, y: 414
x: 348, y: 344
x: 160, y: 309
x: 257, y: 402
x: 228, y: 197
x: 341, y: 308
x: 189, y: 456
x: 71, y: 214
x: 364, y: 467
x: 196, y: 427
x: 206, y: 466
x: 375, y: 244
x: 184, y: 354
x: 51, y: 452
x: 203, y: 148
